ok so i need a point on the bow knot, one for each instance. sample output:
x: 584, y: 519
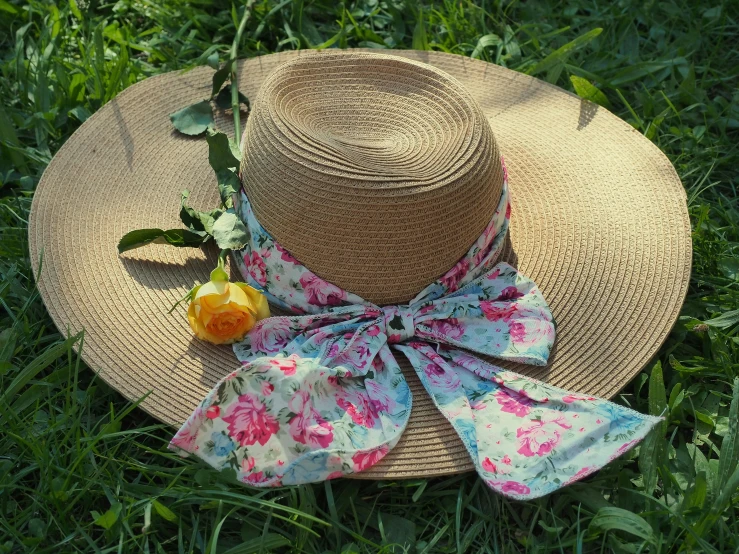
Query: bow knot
x: 501, y: 314
x: 399, y: 323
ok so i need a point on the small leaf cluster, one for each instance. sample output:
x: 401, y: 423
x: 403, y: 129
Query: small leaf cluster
x: 197, y: 118
x: 221, y: 224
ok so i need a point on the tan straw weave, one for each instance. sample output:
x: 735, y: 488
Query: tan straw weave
x: 599, y: 222
x: 376, y: 172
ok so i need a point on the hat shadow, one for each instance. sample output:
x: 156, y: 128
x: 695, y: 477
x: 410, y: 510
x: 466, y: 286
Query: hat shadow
x: 508, y: 254
x: 161, y: 275
x: 124, y: 133
x: 217, y: 360
x: 587, y: 113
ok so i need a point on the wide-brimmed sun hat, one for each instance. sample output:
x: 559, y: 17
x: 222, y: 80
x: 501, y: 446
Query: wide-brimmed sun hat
x: 378, y: 173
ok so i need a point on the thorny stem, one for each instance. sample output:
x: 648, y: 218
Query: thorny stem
x: 235, y: 72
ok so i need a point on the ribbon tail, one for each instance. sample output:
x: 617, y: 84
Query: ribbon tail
x: 289, y: 421
x: 316, y: 398
x: 526, y: 438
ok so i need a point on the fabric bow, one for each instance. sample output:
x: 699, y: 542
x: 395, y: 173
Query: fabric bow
x: 321, y: 395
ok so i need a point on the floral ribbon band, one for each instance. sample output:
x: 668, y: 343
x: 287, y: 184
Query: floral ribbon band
x: 321, y: 395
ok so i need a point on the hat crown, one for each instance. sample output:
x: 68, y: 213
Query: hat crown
x: 376, y: 172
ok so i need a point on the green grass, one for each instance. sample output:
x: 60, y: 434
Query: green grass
x: 81, y: 469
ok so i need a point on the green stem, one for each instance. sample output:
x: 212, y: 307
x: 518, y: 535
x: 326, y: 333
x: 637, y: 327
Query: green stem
x: 235, y: 72
x: 222, y: 255
x: 219, y: 273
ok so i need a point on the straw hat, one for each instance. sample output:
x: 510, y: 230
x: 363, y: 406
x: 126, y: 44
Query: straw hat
x: 377, y: 172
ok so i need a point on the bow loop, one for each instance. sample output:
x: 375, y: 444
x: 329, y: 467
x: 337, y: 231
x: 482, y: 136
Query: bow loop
x: 501, y: 314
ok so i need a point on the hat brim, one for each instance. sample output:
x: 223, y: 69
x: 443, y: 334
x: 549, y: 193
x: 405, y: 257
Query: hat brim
x: 599, y: 221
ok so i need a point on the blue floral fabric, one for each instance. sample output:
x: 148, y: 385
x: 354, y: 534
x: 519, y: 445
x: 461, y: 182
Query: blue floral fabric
x: 321, y: 395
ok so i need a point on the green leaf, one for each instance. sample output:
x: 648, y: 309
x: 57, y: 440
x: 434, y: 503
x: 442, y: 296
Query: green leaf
x: 618, y: 519
x: 219, y: 77
x: 183, y: 237
x: 108, y: 519
x: 75, y: 10
x: 195, y: 220
x: 725, y: 320
x: 10, y: 138
x: 331, y: 41
x: 657, y: 394
x: 223, y: 100
x: 8, y: 340
x: 513, y: 49
x: 560, y: 55
x: 629, y: 46
x: 230, y: 232
x: 163, y: 511
x: 189, y: 216
x: 193, y: 120
x: 722, y: 426
x: 712, y: 13
x: 585, y: 89
x: 687, y: 89
x: 80, y: 112
x: 34, y: 368
x: 730, y: 444
x: 138, y: 238
x: 59, y: 489
x: 222, y: 154
x: 730, y: 268
x: 228, y: 185
x: 396, y: 323
x: 484, y: 42
x: 212, y: 60
x: 728, y: 490
x: 396, y: 530
x: 676, y: 397
x: 267, y: 543
x: 37, y: 528
x: 652, y: 449
x: 175, y: 237
x: 7, y: 7
x: 420, y: 40
x: 695, y: 497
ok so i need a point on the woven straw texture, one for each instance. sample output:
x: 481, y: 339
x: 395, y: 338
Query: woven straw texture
x: 384, y: 153
x: 599, y: 222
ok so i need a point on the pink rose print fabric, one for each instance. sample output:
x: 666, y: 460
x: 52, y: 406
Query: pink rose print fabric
x: 527, y: 438
x: 277, y: 426
x: 321, y: 395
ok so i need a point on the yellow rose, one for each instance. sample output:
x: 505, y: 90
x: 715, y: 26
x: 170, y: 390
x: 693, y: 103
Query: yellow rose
x: 222, y: 312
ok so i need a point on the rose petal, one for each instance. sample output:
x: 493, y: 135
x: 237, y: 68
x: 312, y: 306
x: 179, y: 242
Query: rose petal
x: 217, y: 288
x: 238, y: 297
x: 258, y: 300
